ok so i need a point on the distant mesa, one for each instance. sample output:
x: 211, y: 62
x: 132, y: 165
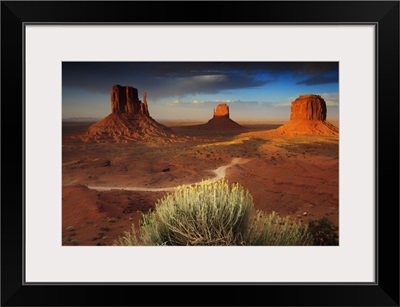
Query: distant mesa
x: 308, y: 116
x: 130, y: 120
x: 220, y: 120
x: 221, y: 110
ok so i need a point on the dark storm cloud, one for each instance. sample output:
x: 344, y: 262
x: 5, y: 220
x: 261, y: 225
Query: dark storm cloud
x: 319, y: 79
x: 166, y: 79
x: 189, y: 68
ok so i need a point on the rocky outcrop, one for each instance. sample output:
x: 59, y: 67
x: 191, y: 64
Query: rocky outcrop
x: 125, y: 99
x: 221, y: 110
x: 143, y: 107
x: 308, y: 107
x: 129, y: 121
x: 308, y: 116
x: 221, y: 123
x: 220, y: 120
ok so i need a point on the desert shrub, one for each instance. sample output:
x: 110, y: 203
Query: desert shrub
x: 323, y: 232
x: 74, y: 242
x: 272, y: 229
x: 128, y: 239
x: 70, y: 228
x: 213, y: 213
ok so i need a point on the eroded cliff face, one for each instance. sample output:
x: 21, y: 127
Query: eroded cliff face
x: 308, y: 116
x: 220, y: 121
x: 308, y: 107
x: 222, y: 110
x: 129, y: 120
x: 125, y: 99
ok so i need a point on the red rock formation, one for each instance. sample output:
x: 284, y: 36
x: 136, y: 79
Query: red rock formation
x: 220, y: 120
x: 129, y: 121
x: 221, y: 110
x: 312, y: 107
x: 125, y: 99
x: 144, y: 109
x: 308, y: 116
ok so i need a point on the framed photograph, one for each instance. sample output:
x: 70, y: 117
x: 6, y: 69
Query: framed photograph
x: 241, y: 149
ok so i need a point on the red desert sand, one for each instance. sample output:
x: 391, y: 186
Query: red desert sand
x: 116, y: 169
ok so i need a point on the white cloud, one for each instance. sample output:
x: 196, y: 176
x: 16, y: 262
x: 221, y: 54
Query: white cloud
x: 331, y: 99
x: 210, y: 78
x: 223, y: 101
x: 173, y: 103
x: 198, y: 102
x: 281, y: 104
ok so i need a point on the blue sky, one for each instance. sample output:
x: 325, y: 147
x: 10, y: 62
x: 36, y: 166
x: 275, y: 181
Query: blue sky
x: 189, y: 91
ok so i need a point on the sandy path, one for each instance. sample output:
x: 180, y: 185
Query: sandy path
x: 220, y: 173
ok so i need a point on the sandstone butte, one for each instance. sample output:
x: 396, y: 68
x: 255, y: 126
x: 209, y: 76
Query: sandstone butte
x: 221, y: 110
x: 125, y: 99
x: 308, y: 116
x: 220, y: 120
x: 129, y: 120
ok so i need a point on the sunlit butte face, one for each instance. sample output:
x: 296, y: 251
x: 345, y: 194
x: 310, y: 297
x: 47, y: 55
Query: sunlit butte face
x: 190, y: 91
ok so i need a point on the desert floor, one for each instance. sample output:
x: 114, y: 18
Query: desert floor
x: 296, y: 176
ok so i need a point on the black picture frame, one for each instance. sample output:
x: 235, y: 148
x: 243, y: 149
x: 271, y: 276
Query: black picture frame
x: 383, y: 14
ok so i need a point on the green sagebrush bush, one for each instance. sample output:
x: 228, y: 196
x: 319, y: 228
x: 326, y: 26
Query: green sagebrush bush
x: 213, y: 213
